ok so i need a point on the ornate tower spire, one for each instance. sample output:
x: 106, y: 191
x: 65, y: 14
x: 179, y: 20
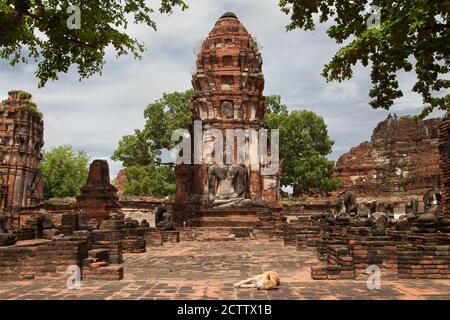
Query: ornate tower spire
x: 228, y: 82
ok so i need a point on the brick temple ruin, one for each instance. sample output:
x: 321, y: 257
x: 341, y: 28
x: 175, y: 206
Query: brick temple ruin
x: 401, y: 159
x: 228, y: 94
x: 408, y: 239
x: 21, y: 140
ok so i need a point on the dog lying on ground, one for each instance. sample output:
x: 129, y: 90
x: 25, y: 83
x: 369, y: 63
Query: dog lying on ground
x: 264, y: 281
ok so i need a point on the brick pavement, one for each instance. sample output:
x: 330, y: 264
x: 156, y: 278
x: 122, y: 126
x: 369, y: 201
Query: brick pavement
x: 207, y: 270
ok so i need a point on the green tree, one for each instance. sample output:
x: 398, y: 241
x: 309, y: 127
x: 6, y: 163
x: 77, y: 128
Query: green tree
x: 163, y: 116
x: 37, y: 29
x: 141, y: 152
x: 413, y: 34
x: 304, y: 145
x: 156, y: 180
x: 64, y: 171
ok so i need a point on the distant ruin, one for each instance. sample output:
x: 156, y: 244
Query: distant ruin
x: 401, y: 159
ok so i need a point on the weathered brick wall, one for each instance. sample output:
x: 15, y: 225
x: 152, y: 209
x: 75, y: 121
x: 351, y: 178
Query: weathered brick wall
x: 111, y: 240
x: 157, y: 237
x: 378, y: 251
x: 399, y: 255
x: 133, y: 244
x: 424, y: 262
x: 41, y: 260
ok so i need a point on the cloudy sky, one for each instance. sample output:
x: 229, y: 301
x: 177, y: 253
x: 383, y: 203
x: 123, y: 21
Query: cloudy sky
x: 94, y: 114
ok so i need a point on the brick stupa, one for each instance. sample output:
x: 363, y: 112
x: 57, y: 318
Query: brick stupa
x: 98, y: 197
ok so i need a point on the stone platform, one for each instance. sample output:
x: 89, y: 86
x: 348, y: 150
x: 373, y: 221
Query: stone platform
x: 207, y: 270
x: 247, y: 217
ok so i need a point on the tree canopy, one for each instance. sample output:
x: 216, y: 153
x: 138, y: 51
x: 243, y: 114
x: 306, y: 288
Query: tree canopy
x: 64, y: 171
x: 141, y: 152
x: 39, y: 30
x: 304, y: 146
x: 412, y: 34
x: 163, y: 116
x: 152, y: 179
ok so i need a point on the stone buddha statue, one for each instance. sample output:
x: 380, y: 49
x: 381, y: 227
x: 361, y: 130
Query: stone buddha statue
x: 227, y: 184
x: 7, y: 238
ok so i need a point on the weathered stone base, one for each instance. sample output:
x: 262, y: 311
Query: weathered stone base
x: 229, y: 233
x: 186, y: 215
x: 332, y: 273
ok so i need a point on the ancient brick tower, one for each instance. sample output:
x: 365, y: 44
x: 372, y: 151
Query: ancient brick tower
x: 228, y: 94
x: 21, y: 140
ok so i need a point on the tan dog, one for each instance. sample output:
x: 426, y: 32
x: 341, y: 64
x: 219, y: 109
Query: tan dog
x: 264, y: 281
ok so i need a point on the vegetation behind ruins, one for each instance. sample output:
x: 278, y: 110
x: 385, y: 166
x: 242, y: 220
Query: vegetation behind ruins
x: 304, y: 146
x: 64, y: 171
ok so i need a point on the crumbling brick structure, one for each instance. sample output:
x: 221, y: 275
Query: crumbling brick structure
x: 98, y: 197
x: 228, y: 94
x: 21, y: 140
x: 401, y: 158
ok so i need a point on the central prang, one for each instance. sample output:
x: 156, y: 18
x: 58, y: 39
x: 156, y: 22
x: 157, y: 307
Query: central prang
x: 228, y: 97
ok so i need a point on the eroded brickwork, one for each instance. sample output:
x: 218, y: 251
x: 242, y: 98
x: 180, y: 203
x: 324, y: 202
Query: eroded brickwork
x: 21, y: 140
x: 228, y: 94
x: 401, y: 158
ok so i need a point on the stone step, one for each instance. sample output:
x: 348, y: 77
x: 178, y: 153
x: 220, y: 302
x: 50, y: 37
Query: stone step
x: 227, y: 223
x: 227, y: 212
x: 99, y: 254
